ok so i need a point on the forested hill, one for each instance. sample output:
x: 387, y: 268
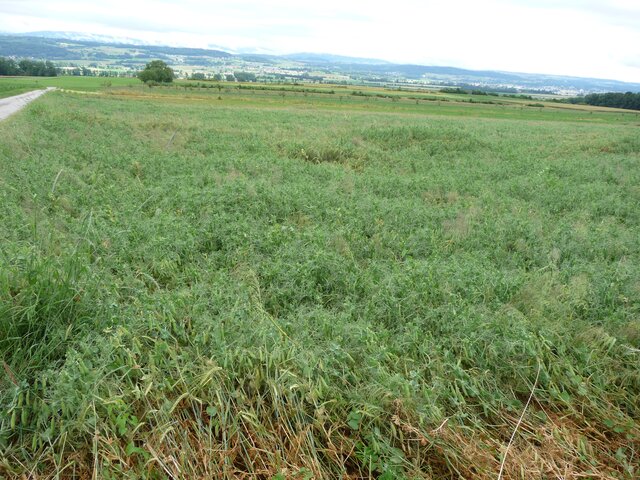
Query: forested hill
x: 65, y: 49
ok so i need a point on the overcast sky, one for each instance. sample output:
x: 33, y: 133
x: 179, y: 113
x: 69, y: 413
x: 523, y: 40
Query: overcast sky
x: 571, y: 37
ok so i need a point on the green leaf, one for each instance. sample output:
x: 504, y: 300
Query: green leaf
x: 354, y: 419
x: 212, y: 411
x: 131, y: 449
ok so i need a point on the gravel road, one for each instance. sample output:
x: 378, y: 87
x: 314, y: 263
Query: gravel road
x: 11, y: 105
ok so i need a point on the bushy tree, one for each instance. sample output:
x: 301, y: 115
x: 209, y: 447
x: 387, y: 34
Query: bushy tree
x: 156, y: 71
x: 245, y: 76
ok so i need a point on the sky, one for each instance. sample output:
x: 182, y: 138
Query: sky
x: 585, y: 38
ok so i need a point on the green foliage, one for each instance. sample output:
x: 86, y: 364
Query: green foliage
x: 31, y: 68
x: 245, y: 76
x: 184, y: 293
x: 41, y: 311
x: 8, y: 66
x: 521, y: 96
x: 156, y: 71
x: 627, y: 100
x: 454, y: 90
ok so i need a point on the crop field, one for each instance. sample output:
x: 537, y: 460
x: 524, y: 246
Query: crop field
x: 16, y: 85
x: 245, y: 283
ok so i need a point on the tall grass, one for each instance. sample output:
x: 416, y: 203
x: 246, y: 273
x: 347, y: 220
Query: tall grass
x: 251, y: 291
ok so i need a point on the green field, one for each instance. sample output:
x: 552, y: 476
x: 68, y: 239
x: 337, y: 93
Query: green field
x: 228, y: 283
x: 16, y: 85
x: 9, y: 89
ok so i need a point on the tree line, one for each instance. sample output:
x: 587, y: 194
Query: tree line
x: 231, y: 77
x: 628, y: 100
x: 31, y: 68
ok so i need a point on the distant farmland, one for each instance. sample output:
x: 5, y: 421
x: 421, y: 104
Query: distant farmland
x: 222, y: 282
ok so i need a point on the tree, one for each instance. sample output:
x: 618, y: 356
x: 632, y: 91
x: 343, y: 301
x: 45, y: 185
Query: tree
x: 32, y: 68
x: 245, y: 76
x: 50, y: 69
x: 628, y: 100
x: 8, y: 66
x: 156, y: 71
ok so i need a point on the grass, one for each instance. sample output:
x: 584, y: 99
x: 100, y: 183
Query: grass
x: 87, y: 84
x: 9, y: 89
x: 317, y: 287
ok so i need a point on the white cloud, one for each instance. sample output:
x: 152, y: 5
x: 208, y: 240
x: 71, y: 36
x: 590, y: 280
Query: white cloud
x: 584, y: 38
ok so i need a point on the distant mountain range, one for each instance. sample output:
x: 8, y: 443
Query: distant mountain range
x: 327, y: 58
x: 84, y: 37
x: 121, y: 52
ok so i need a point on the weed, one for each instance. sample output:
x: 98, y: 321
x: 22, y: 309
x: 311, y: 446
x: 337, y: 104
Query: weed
x: 316, y: 286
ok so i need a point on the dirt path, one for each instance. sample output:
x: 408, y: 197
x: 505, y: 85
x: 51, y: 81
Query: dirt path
x: 11, y: 105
